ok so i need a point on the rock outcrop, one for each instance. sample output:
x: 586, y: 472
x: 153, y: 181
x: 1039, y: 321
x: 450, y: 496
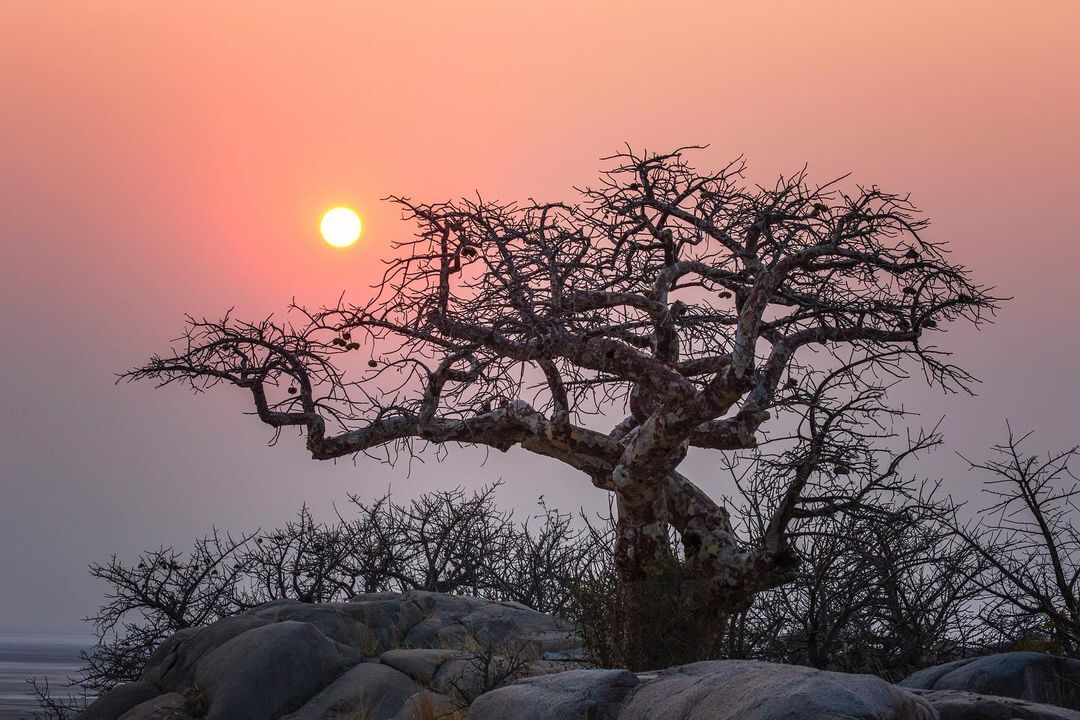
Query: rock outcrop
x: 750, y: 690
x: 960, y: 705
x: 119, y: 700
x: 420, y: 656
x: 270, y: 671
x: 378, y: 690
x: 570, y: 695
x: 383, y: 656
x: 170, y: 706
x: 1032, y: 676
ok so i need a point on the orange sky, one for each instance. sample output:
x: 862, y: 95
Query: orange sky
x: 160, y: 160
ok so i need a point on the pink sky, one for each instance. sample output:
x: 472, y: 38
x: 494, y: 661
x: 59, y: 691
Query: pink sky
x: 159, y: 161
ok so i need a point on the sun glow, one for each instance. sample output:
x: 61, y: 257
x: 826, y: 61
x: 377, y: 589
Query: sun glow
x: 340, y: 227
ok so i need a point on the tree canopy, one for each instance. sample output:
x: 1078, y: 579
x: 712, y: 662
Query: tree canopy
x: 662, y: 309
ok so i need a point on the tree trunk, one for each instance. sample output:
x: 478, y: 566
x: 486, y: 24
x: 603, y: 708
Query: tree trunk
x: 669, y: 615
x: 722, y: 574
x: 641, y: 538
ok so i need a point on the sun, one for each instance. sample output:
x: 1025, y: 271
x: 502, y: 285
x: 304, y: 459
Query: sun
x: 340, y: 227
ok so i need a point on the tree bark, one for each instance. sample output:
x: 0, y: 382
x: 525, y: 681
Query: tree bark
x: 721, y: 573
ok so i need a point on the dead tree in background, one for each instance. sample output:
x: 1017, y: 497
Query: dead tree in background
x: 683, y: 303
x: 163, y: 592
x: 883, y: 590
x: 442, y: 541
x: 1030, y: 546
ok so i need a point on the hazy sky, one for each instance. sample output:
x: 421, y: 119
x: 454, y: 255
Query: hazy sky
x: 163, y: 158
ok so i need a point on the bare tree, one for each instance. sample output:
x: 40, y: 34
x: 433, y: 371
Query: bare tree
x: 306, y: 561
x: 490, y: 664
x: 52, y: 706
x: 165, y: 591
x: 685, y: 303
x: 1030, y: 544
x: 544, y: 558
x: 445, y: 541
x: 885, y: 592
